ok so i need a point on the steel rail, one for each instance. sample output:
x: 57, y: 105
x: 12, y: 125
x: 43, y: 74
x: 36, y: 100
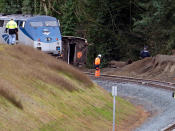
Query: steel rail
x: 148, y: 82
x: 169, y: 128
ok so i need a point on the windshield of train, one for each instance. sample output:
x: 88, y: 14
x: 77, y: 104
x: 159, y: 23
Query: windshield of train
x: 36, y: 24
x: 45, y: 23
x: 51, y: 23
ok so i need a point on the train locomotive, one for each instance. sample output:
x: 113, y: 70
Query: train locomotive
x: 41, y: 32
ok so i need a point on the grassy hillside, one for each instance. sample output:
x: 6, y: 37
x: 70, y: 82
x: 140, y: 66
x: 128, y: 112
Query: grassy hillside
x: 40, y: 93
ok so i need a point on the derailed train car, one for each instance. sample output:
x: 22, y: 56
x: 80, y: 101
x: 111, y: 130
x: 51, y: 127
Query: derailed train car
x: 74, y: 50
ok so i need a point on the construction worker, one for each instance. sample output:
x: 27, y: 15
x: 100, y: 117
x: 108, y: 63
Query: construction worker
x: 144, y: 53
x: 12, y: 28
x: 97, y: 65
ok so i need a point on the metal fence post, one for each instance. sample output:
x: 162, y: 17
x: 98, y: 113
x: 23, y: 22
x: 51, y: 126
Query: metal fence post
x: 114, y: 93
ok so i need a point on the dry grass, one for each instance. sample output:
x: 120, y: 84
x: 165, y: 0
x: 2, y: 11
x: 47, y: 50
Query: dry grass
x: 44, y: 67
x: 51, y: 95
x: 10, y: 97
x: 8, y: 94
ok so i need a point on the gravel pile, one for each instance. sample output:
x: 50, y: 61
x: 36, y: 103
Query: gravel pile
x: 154, y: 100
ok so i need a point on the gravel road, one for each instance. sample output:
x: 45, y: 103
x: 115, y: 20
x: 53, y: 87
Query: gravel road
x: 154, y: 100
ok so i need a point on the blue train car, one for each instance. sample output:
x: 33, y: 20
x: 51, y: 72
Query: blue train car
x: 41, y: 32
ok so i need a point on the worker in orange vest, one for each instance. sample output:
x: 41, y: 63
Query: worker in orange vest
x: 97, y: 65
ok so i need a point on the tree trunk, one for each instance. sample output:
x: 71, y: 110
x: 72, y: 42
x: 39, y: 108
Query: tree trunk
x: 45, y: 7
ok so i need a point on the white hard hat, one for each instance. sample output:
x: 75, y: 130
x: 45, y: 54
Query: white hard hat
x: 99, y: 55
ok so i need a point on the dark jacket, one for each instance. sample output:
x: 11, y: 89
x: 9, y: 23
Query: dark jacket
x: 144, y: 53
x: 12, y: 31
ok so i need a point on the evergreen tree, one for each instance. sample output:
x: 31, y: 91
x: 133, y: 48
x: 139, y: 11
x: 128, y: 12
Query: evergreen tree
x: 10, y: 6
x: 110, y: 29
x: 68, y: 20
x: 27, y: 7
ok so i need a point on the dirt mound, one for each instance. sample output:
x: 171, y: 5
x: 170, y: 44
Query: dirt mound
x: 160, y: 67
x: 137, y: 66
x: 117, y: 64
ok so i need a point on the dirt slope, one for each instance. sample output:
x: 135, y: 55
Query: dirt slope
x: 40, y: 93
x: 160, y: 67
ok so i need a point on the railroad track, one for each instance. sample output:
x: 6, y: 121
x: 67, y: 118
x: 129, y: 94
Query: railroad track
x: 152, y: 83
x: 148, y: 82
x: 169, y: 128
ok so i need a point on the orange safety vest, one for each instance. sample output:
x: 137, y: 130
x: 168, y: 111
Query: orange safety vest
x: 97, y: 73
x: 97, y: 61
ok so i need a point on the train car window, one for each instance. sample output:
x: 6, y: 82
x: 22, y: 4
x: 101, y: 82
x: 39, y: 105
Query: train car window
x: 1, y: 23
x: 22, y: 24
x: 51, y: 23
x: 36, y: 24
x: 5, y: 23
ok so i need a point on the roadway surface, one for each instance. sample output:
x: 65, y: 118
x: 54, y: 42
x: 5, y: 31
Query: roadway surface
x: 157, y: 101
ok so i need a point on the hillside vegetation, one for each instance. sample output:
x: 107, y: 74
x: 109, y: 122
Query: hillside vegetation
x: 40, y: 93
